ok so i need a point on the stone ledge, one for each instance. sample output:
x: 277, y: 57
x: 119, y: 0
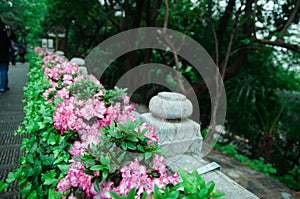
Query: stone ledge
x: 223, y: 183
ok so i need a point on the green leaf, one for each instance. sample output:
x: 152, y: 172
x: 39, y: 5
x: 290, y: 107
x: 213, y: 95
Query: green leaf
x: 52, y: 194
x: 131, y: 193
x: 33, y: 195
x: 144, y: 196
x: 26, y: 188
x: 56, y: 152
x: 210, y: 186
x: 52, y: 139
x: 114, y: 195
x: 124, y: 145
x: 105, y: 160
x: 90, y: 163
x: 12, y: 176
x: 64, y: 168
x: 217, y: 194
x: 77, y: 158
x: 3, y: 185
x: 104, y: 174
x: 122, y: 156
x: 157, y: 192
x: 189, y: 181
x: 203, y: 193
x: 49, y: 178
x: 29, y: 158
x: 97, y: 186
x: 50, y: 181
x: 119, y: 135
x: 97, y: 167
x: 148, y: 155
x: 132, y: 138
x: 37, y: 166
x: 141, y: 148
x: 61, y: 159
x: 41, y: 125
x: 131, y: 146
x: 33, y: 148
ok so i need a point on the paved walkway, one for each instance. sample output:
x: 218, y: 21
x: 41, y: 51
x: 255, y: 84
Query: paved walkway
x: 11, y: 115
x: 256, y: 182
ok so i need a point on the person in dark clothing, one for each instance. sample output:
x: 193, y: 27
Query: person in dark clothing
x: 6, y: 36
x: 22, y: 52
x: 13, y: 51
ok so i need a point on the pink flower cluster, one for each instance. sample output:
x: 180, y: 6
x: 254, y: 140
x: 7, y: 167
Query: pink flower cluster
x: 76, y: 178
x: 134, y: 175
x: 86, y: 116
x: 42, y: 51
x: 61, y: 74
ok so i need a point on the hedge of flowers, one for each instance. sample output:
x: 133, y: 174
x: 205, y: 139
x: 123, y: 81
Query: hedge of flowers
x: 85, y: 142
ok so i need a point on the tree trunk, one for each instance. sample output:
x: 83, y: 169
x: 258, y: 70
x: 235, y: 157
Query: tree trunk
x: 265, y: 147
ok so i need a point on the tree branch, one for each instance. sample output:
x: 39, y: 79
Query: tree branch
x: 110, y: 18
x: 293, y: 47
x: 171, y: 45
x: 289, y: 21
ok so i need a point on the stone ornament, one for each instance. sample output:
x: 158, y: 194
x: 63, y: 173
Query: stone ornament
x: 78, y: 61
x: 176, y: 133
x: 81, y: 63
x: 168, y: 105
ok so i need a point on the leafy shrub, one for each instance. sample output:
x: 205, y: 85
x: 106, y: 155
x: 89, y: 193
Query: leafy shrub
x: 46, y: 151
x: 259, y: 164
x: 292, y: 178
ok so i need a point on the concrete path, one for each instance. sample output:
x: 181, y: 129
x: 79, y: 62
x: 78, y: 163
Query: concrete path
x: 11, y: 116
x: 256, y: 182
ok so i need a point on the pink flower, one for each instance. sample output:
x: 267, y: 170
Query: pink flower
x: 67, y: 77
x: 77, y: 149
x: 159, y: 164
x: 64, y: 185
x: 64, y: 117
x: 126, y: 99
x: 77, y: 177
x: 134, y: 175
x: 151, y: 133
x: 63, y: 93
x: 90, y: 135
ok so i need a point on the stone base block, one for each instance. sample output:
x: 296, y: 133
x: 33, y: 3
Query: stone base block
x: 176, y: 137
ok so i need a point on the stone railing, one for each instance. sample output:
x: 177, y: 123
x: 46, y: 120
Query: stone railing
x: 180, y: 138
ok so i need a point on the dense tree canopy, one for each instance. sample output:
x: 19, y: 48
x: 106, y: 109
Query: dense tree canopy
x: 255, y: 44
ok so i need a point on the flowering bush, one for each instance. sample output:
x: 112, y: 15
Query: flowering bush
x: 115, y: 152
x: 86, y: 142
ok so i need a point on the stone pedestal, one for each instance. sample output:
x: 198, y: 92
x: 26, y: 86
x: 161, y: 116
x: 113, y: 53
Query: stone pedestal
x: 81, y: 64
x: 176, y: 133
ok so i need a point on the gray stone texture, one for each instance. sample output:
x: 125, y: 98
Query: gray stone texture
x: 78, y: 61
x: 176, y: 137
x: 223, y: 183
x: 168, y: 105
